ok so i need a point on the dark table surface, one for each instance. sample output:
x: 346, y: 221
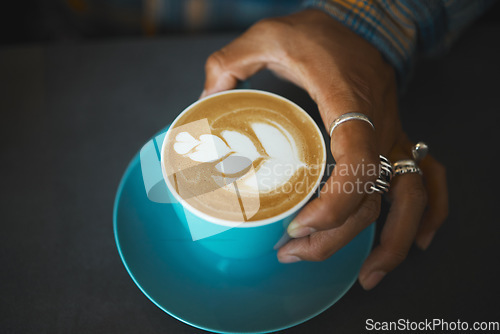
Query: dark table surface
x: 73, y: 115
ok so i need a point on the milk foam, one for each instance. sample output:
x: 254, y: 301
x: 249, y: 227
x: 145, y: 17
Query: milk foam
x: 243, y: 156
x: 280, y: 162
x: 207, y: 149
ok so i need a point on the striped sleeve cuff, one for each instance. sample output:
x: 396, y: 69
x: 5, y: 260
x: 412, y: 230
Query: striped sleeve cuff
x: 401, y: 29
x: 394, y: 35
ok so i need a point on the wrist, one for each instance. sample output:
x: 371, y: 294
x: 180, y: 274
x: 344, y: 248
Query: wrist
x: 370, y: 21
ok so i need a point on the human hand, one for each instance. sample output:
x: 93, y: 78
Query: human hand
x: 419, y: 206
x: 342, y: 73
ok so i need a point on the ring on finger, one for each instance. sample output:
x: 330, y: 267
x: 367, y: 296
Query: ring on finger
x: 405, y: 166
x: 350, y: 116
x: 383, y: 183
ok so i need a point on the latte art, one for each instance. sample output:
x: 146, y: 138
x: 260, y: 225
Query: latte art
x: 234, y: 154
x: 243, y: 156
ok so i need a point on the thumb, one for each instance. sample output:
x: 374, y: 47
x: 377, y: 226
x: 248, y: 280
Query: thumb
x: 218, y: 77
x: 235, y: 62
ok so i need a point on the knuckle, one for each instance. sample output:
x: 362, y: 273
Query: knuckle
x: 273, y: 26
x: 395, y: 254
x: 277, y: 30
x: 319, y: 248
x: 363, y: 90
x: 319, y: 254
x: 369, y: 211
x: 215, y: 61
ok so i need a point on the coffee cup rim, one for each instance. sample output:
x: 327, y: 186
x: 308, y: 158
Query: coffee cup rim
x: 230, y: 223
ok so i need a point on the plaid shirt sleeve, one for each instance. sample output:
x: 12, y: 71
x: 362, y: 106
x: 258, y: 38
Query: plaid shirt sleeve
x: 403, y: 29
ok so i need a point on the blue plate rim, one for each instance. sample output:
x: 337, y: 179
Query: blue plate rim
x: 123, y: 180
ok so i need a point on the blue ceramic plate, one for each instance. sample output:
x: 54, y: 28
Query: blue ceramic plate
x: 207, y: 291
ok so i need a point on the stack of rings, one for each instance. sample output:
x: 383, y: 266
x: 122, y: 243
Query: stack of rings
x: 418, y: 151
x: 387, y: 170
x: 406, y: 166
x: 383, y: 182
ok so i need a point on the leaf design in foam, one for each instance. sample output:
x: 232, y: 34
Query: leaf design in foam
x: 244, y: 153
x: 283, y: 158
x: 240, y: 144
x: 184, y: 143
x: 211, y: 148
x: 279, y: 144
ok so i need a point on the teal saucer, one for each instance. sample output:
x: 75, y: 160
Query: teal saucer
x: 217, y: 294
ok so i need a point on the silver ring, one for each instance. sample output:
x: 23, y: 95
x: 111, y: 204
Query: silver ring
x: 383, y: 183
x: 349, y: 117
x: 419, y: 151
x: 406, y: 166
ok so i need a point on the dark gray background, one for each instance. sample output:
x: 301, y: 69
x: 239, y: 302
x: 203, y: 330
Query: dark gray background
x: 72, y: 116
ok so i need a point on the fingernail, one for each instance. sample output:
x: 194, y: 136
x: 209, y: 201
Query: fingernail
x: 425, y: 240
x: 289, y: 258
x: 297, y: 231
x: 373, y: 279
x: 202, y: 94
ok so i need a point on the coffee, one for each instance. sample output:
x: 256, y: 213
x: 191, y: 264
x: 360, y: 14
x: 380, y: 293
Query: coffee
x: 243, y: 156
